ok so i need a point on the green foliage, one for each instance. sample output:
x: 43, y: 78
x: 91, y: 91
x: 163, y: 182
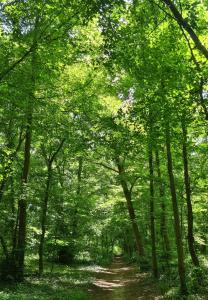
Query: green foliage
x: 105, y: 81
x: 47, y: 294
x: 63, y: 283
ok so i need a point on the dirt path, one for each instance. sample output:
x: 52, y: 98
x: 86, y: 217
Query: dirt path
x: 122, y: 282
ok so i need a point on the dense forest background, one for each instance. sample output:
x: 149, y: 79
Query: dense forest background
x: 103, y: 139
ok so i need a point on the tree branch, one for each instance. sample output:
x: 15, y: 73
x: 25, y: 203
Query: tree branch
x: 17, y: 62
x: 57, y: 151
x: 133, y: 183
x: 103, y: 165
x: 182, y: 22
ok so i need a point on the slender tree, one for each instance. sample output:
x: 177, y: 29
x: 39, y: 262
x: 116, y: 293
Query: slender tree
x: 163, y: 218
x: 49, y: 162
x: 152, y: 213
x: 178, y: 237
x: 128, y: 195
x: 191, y: 242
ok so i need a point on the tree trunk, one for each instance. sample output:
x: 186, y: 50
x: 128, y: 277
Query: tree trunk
x: 49, y: 161
x: 163, y: 221
x: 43, y: 218
x: 8, y: 170
x: 152, y: 214
x: 128, y: 196
x: 22, y: 204
x: 14, y: 214
x: 4, y: 248
x: 179, y: 244
x: 190, y: 236
x: 78, y: 193
x: 21, y: 236
x: 186, y: 26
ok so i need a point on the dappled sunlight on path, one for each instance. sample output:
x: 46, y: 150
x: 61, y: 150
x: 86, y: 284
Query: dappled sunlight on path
x: 122, y: 282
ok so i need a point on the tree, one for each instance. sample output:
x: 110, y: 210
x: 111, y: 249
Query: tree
x: 186, y: 26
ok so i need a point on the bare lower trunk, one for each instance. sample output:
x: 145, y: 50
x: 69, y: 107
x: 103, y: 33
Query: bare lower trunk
x: 191, y: 241
x: 163, y: 221
x: 132, y: 215
x: 22, y: 205
x: 78, y: 193
x: 4, y: 248
x: 49, y: 162
x: 43, y: 219
x: 2, y: 186
x: 21, y: 236
x: 8, y: 170
x: 152, y: 215
x: 179, y: 244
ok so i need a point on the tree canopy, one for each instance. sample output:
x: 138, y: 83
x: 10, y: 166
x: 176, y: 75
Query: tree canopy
x: 103, y: 139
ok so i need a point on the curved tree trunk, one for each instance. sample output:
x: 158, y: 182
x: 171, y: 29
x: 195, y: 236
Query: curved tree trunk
x: 128, y: 195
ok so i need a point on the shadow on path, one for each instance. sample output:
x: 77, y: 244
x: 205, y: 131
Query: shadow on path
x: 122, y: 282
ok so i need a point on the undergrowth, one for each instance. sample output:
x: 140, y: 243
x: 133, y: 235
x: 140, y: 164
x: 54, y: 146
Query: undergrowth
x: 64, y: 283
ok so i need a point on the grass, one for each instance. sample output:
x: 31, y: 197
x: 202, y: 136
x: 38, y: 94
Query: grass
x: 64, y: 283
x: 25, y: 293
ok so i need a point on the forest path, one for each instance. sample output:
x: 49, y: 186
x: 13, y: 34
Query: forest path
x: 122, y: 282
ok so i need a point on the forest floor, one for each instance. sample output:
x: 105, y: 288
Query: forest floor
x: 119, y: 281
x: 123, y: 282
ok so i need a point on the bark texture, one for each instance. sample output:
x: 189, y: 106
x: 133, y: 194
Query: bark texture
x: 163, y: 220
x: 128, y: 196
x: 177, y: 228
x: 49, y: 161
x: 152, y: 215
x: 190, y: 218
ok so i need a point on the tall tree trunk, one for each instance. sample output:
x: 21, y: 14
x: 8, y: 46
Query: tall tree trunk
x: 78, y: 193
x: 43, y: 218
x: 179, y: 243
x: 190, y: 218
x: 49, y: 161
x: 128, y: 195
x: 14, y: 213
x: 2, y: 186
x: 4, y: 248
x: 152, y: 214
x: 186, y: 26
x: 8, y: 170
x: 22, y: 205
x: 163, y: 221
